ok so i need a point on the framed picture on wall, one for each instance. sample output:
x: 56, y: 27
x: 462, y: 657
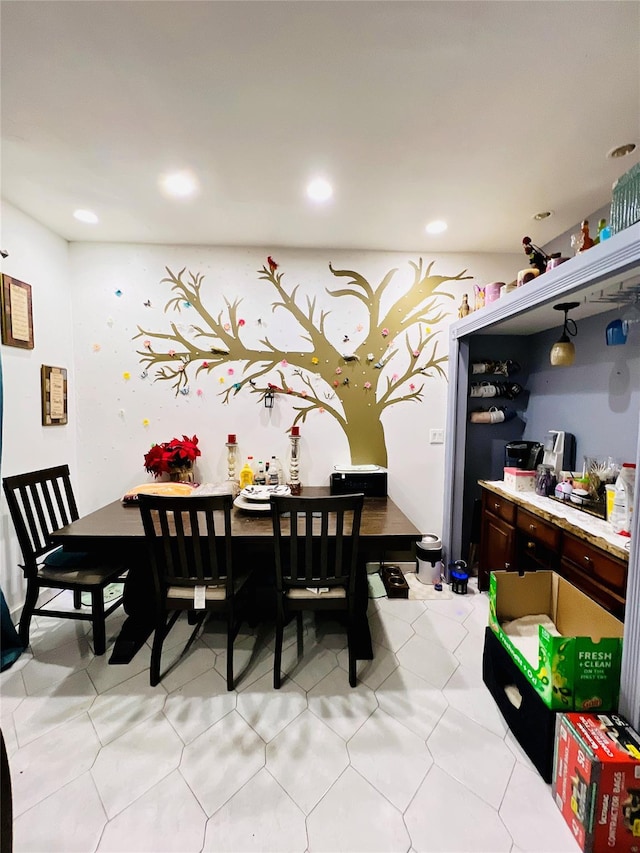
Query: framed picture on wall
x: 17, y: 317
x: 54, y: 395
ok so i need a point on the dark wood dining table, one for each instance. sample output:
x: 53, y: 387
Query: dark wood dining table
x: 116, y: 529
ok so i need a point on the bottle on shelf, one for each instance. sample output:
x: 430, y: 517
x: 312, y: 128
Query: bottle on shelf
x: 246, y: 473
x: 623, y: 500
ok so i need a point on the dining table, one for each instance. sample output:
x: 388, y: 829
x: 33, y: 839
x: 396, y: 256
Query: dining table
x: 115, y: 530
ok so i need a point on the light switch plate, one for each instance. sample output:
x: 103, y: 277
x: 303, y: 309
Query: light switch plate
x: 436, y: 436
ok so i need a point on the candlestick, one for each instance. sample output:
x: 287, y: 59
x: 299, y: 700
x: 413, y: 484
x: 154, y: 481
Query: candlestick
x: 294, y: 461
x: 232, y: 449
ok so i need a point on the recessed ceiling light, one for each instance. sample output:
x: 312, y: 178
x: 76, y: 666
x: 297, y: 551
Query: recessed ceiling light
x: 622, y: 150
x: 87, y: 216
x: 544, y: 214
x: 436, y: 227
x: 319, y: 189
x: 179, y: 184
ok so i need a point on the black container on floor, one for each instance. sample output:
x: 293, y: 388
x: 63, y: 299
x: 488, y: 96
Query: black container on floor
x: 532, y: 724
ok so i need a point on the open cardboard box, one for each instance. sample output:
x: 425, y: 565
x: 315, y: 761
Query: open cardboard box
x: 577, y: 671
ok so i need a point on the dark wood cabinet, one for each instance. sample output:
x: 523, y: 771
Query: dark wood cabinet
x: 497, y: 536
x: 515, y: 538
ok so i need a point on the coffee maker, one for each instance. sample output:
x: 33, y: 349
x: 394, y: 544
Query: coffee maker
x: 525, y: 455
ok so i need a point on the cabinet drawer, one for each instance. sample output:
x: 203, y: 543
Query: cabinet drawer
x: 595, y: 563
x: 600, y: 593
x: 537, y: 529
x: 501, y: 507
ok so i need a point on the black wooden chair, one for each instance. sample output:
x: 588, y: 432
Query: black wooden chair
x: 41, y: 502
x: 189, y: 541
x: 316, y: 555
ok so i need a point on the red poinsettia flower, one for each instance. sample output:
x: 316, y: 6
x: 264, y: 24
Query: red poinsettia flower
x: 176, y: 453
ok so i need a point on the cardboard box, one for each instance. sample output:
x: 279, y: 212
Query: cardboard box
x: 519, y: 480
x: 580, y: 669
x: 531, y: 722
x: 596, y: 781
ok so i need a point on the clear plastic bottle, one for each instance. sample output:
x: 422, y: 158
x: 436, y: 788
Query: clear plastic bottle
x: 246, y: 473
x: 276, y: 475
x: 623, y: 500
x: 261, y: 477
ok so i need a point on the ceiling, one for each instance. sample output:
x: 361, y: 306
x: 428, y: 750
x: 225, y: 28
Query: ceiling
x: 478, y: 113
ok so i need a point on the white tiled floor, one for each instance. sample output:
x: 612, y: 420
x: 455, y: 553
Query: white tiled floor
x: 416, y: 758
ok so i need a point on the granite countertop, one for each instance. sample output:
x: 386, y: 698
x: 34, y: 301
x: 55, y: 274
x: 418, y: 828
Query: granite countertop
x: 594, y: 530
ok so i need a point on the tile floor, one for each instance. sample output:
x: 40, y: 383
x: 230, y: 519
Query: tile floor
x: 416, y: 758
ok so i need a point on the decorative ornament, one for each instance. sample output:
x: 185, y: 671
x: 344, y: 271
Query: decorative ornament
x: 230, y: 371
x: 172, y: 352
x: 146, y: 344
x: 416, y: 353
x: 186, y: 304
x: 273, y: 266
x: 284, y: 363
x: 205, y: 364
x: 412, y: 387
x: 385, y: 332
x: 241, y: 322
x: 118, y: 293
x: 338, y: 370
x: 315, y: 360
x: 335, y: 383
x: 199, y: 392
x: 227, y: 327
x: 126, y: 376
x: 145, y: 422
x: 367, y: 386
x: 370, y: 356
x: 221, y: 380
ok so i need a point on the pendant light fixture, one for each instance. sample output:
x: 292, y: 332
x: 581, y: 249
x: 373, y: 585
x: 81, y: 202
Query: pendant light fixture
x: 563, y: 352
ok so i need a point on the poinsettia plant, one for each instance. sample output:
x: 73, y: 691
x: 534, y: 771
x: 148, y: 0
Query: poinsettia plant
x: 177, y: 453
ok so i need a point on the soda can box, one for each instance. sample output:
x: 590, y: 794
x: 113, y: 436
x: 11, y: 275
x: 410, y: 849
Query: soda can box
x: 596, y: 781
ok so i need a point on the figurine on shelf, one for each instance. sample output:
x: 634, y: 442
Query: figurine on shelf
x: 537, y: 257
x: 479, y: 297
x: 582, y: 241
x: 464, y: 308
x: 604, y: 232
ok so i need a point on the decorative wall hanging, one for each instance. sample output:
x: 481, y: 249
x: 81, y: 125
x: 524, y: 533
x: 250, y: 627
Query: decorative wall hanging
x: 17, y: 317
x: 54, y: 395
x: 403, y: 330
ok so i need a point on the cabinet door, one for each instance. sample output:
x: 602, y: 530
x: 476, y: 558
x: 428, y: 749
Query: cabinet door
x: 497, y: 547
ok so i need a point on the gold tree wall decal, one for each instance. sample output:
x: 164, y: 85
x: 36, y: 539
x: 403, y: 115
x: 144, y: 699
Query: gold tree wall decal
x: 353, y: 382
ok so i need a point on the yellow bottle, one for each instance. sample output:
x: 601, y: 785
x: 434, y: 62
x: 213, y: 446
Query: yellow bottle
x: 246, y: 474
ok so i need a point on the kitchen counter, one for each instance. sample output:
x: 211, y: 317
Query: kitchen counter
x: 594, y: 530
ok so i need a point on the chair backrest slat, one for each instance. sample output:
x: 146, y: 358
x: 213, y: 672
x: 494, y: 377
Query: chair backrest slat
x: 316, y: 540
x: 186, y: 546
x: 40, y: 502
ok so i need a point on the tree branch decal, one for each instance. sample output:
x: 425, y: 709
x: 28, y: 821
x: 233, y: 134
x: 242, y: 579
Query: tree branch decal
x: 353, y: 382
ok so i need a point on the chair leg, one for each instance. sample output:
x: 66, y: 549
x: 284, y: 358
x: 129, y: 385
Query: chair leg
x: 30, y: 601
x: 352, y: 654
x: 300, y: 642
x: 230, y: 638
x: 97, y: 621
x: 277, y: 658
x: 156, y: 651
x: 77, y: 599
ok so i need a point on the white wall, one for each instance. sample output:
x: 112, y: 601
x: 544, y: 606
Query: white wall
x: 112, y: 437
x: 80, y: 324
x: 41, y: 259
